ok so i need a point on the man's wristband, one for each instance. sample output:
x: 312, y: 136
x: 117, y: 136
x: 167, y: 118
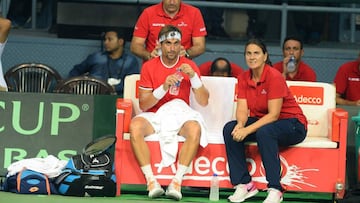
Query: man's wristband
x: 195, y: 81
x: 159, y: 92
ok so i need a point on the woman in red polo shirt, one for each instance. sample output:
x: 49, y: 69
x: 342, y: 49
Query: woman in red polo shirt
x: 266, y: 113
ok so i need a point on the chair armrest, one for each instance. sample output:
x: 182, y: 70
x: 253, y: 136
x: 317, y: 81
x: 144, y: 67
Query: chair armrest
x: 339, y: 120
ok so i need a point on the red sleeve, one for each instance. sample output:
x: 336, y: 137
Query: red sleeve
x: 311, y: 75
x: 199, y: 25
x: 142, y: 25
x: 145, y: 76
x: 278, y: 87
x: 278, y: 66
x: 307, y: 73
x: 242, y: 85
x: 340, y: 80
x: 205, y: 68
x: 235, y: 69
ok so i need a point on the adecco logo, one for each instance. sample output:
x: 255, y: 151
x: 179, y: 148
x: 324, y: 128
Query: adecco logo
x: 308, y: 95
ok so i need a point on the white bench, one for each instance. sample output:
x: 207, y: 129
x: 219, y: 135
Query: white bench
x: 321, y: 154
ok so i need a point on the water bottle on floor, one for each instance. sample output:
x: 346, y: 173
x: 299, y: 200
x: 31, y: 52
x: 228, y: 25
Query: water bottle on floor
x: 214, y: 188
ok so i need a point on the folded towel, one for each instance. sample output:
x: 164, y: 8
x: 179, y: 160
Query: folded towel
x: 171, y: 117
x: 50, y: 166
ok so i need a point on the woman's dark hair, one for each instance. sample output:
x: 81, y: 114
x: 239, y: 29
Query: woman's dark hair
x: 262, y: 45
x: 214, y: 67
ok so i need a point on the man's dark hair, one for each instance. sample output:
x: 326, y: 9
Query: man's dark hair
x: 119, y: 33
x: 296, y: 38
x: 215, y: 68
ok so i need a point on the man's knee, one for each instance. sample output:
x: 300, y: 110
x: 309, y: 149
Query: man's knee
x: 191, y: 130
x: 139, y: 127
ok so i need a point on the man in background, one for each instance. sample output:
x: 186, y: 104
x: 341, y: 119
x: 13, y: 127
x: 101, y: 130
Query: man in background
x: 293, y: 47
x: 220, y: 67
x: 111, y: 65
x: 188, y: 18
x: 347, y: 82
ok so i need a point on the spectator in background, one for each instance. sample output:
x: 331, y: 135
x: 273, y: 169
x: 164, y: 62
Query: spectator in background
x: 293, y: 46
x: 111, y: 65
x: 144, y: 43
x: 220, y: 67
x: 347, y: 82
x: 5, y: 26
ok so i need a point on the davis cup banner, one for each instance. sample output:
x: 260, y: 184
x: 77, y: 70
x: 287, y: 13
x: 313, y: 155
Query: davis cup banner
x: 37, y: 125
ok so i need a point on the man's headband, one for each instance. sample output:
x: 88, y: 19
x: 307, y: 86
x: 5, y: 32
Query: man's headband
x: 170, y: 35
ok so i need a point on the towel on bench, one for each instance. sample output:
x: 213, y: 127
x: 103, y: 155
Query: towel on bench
x: 171, y: 117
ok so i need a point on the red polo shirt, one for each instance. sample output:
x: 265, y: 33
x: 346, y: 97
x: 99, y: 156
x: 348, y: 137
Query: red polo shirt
x: 347, y: 80
x: 154, y: 73
x: 305, y: 72
x: 272, y: 85
x: 153, y: 18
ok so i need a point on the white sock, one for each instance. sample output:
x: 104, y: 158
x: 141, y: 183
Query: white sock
x: 182, y: 169
x: 147, y: 171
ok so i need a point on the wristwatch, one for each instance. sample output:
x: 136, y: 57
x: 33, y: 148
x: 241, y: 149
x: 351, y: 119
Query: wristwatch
x: 187, y: 55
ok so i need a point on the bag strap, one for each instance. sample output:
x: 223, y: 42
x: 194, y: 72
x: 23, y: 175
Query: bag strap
x: 18, y: 181
x: 47, y: 184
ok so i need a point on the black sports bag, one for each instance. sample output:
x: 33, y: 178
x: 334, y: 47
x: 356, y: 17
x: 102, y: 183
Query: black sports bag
x: 90, y: 173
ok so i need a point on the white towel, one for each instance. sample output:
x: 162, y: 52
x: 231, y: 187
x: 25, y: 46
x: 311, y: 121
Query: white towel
x: 171, y: 116
x: 50, y: 166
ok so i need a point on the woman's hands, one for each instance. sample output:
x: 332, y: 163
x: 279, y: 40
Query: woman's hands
x: 239, y: 133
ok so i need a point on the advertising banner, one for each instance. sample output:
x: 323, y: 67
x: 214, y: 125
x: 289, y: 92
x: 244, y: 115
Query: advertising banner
x: 37, y: 125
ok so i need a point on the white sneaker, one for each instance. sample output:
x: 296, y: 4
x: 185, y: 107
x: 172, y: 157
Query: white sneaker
x: 243, y: 192
x: 174, y: 190
x: 155, y: 189
x: 274, y: 196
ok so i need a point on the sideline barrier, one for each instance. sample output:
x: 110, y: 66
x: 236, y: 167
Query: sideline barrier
x: 38, y: 124
x: 322, y: 154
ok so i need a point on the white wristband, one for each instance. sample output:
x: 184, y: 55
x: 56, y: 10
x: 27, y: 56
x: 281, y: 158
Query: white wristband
x: 195, y: 81
x: 159, y: 92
